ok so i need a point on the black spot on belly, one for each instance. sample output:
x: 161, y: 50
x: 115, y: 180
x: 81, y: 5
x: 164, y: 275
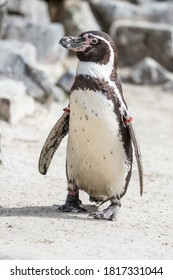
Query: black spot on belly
x: 86, y: 116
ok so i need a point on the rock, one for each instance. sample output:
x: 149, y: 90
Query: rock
x: 78, y: 17
x: 14, y: 102
x: 136, y: 41
x: 147, y: 71
x: 25, y: 49
x: 110, y: 11
x: 44, y: 36
x: 168, y: 87
x: 66, y: 81
x: 150, y: 1
x: 34, y: 9
x: 53, y: 71
x: 58, y: 94
x: 3, y: 6
x: 160, y: 12
x: 1, y: 157
x: 56, y: 10
x: 13, y: 66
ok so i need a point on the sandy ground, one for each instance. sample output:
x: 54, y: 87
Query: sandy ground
x: 31, y: 227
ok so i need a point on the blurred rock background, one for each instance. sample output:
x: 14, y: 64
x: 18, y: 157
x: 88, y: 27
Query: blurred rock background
x: 35, y: 68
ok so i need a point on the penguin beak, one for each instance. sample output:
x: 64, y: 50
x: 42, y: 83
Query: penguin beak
x: 72, y: 43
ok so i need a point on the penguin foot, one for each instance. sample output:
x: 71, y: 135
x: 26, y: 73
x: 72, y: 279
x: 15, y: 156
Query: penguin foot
x: 73, y: 203
x: 110, y: 213
x: 72, y: 207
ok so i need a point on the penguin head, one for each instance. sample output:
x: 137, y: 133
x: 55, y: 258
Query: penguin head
x: 92, y: 46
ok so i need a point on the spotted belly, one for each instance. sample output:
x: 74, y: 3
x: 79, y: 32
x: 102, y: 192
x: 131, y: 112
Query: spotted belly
x: 96, y: 159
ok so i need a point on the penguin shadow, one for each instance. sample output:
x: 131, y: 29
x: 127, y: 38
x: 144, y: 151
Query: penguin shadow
x: 47, y: 212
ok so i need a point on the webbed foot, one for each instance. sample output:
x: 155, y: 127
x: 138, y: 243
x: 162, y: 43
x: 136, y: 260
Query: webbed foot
x: 72, y: 207
x: 110, y: 213
x: 73, y: 203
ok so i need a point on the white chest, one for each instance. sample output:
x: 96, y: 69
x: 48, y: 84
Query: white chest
x: 95, y: 154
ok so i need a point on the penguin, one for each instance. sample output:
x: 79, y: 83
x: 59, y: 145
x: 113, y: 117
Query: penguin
x: 101, y: 137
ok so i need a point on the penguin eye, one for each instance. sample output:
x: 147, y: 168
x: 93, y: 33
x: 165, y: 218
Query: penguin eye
x: 94, y: 41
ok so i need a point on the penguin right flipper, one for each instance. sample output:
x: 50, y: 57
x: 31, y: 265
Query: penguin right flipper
x: 58, y: 132
x: 137, y: 154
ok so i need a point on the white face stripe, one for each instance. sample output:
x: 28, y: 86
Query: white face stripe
x: 103, y: 71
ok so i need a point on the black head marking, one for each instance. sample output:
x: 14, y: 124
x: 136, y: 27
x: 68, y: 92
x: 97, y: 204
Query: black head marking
x: 98, y: 48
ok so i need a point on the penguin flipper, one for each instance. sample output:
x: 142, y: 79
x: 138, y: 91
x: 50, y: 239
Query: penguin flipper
x: 58, y: 132
x: 137, y: 154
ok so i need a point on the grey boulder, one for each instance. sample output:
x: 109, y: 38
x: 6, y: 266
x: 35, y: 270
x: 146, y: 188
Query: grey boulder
x: 44, y: 36
x: 25, y: 49
x: 109, y: 11
x: 33, y: 9
x: 66, y: 80
x: 14, y: 101
x: 147, y: 71
x: 168, y: 87
x: 3, y: 8
x: 137, y: 41
x: 13, y: 66
x: 78, y: 17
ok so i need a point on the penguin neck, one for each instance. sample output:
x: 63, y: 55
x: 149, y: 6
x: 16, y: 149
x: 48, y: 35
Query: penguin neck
x: 97, y: 70
x: 94, y: 70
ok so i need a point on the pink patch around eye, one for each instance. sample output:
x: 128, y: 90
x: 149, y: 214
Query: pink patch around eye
x: 94, y: 41
x: 85, y: 45
x: 81, y: 49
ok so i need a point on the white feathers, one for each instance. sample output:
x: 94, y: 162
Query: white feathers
x: 95, y: 154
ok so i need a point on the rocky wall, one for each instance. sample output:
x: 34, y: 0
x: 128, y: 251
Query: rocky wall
x: 30, y: 53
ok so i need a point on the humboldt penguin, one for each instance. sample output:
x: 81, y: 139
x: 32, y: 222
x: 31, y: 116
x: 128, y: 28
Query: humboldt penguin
x: 101, y: 136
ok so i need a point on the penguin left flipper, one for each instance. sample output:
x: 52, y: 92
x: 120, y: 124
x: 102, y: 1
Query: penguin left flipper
x: 58, y: 132
x: 137, y: 154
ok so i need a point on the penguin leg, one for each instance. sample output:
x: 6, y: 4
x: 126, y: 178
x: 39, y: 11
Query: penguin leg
x: 73, y: 203
x: 110, y: 213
